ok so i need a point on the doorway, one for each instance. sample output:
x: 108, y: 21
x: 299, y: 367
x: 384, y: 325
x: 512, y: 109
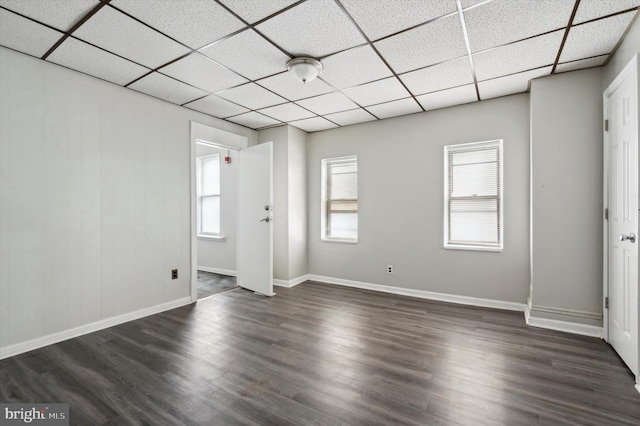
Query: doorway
x: 214, y: 252
x: 620, y: 316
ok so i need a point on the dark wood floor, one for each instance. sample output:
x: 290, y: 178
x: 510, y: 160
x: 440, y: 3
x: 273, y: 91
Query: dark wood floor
x: 210, y: 284
x: 327, y: 355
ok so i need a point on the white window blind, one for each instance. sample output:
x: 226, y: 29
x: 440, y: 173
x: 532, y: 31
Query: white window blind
x: 473, y: 196
x: 209, y: 195
x: 340, y: 199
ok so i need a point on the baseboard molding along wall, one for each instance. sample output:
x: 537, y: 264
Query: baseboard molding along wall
x: 40, y: 342
x: 291, y: 283
x: 576, y: 322
x: 218, y: 271
x: 422, y: 294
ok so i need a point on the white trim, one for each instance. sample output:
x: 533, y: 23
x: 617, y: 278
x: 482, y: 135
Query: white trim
x: 566, y: 326
x: 422, y: 294
x: 291, y: 283
x: 578, y: 326
x: 215, y: 238
x: 18, y: 348
x: 218, y: 271
x: 637, y: 388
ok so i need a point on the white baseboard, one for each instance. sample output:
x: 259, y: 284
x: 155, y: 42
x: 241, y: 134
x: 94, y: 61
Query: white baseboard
x: 12, y: 350
x: 422, y: 294
x: 218, y: 271
x: 291, y: 283
x: 574, y: 327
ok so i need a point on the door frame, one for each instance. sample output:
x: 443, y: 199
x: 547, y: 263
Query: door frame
x: 631, y: 69
x: 215, y: 137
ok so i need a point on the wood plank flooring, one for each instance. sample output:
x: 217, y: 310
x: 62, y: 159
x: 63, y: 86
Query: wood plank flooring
x: 327, y: 355
x: 210, y: 283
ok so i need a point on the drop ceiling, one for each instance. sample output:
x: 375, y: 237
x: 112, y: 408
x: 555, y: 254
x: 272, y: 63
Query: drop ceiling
x: 382, y: 58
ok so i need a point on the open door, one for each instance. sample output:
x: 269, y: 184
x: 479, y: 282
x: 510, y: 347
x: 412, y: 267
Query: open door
x: 255, y: 229
x: 621, y: 296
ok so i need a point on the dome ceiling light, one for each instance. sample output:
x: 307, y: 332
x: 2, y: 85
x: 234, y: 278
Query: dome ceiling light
x: 305, y: 69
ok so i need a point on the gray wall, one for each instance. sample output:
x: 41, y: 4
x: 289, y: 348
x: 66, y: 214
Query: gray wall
x: 297, y: 223
x: 627, y: 49
x: 94, y: 200
x: 401, y: 184
x: 220, y: 255
x: 566, y: 191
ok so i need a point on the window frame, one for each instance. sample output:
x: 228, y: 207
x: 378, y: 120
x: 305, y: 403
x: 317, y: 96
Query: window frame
x: 475, y: 146
x: 200, y: 197
x: 325, y: 201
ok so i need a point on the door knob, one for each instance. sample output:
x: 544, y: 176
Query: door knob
x: 266, y: 219
x: 631, y: 237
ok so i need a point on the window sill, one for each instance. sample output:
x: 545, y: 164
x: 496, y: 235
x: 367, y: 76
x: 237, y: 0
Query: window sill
x: 218, y: 238
x: 338, y: 240
x: 473, y: 248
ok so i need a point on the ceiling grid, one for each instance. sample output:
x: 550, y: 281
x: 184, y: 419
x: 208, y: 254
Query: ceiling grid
x: 382, y: 58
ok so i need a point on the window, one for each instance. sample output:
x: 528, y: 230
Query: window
x: 473, y: 196
x: 208, y: 170
x: 340, y: 199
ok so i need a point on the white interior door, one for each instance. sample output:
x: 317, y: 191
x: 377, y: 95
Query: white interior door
x: 255, y: 229
x: 623, y: 220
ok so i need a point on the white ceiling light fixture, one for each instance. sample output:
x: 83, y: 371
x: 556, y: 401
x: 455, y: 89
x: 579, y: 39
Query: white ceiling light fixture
x: 305, y: 69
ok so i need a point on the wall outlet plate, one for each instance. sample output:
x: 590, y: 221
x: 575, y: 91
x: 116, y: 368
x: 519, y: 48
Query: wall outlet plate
x: 174, y: 274
x: 390, y: 269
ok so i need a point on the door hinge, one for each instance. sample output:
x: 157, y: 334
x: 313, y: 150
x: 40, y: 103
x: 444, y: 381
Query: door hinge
x: 606, y: 214
x: 606, y: 125
x: 606, y: 303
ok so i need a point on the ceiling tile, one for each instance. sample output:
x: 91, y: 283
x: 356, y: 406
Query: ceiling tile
x: 326, y: 104
x: 592, y: 9
x: 119, y: 34
x: 516, y: 83
x: 354, y: 116
x: 313, y: 124
x: 252, y: 96
x: 195, y: 23
x: 26, y: 36
x: 429, y: 44
x: 216, y: 106
x: 61, y: 14
x: 450, y: 97
x: 383, y: 17
x: 500, y: 22
x: 253, y: 120
x: 287, y: 112
x: 437, y: 77
x: 354, y: 66
x: 595, y: 38
x: 167, y: 89
x: 517, y: 57
x: 203, y: 73
x: 395, y: 108
x: 313, y: 28
x: 377, y: 92
x: 469, y: 3
x: 249, y: 55
x: 80, y: 56
x: 286, y: 85
x: 252, y: 10
x: 580, y: 64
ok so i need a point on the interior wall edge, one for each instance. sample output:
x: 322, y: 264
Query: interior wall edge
x: 423, y: 294
x: 39, y: 342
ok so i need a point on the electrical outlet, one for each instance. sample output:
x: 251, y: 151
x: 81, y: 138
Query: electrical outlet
x: 174, y: 274
x: 390, y: 269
